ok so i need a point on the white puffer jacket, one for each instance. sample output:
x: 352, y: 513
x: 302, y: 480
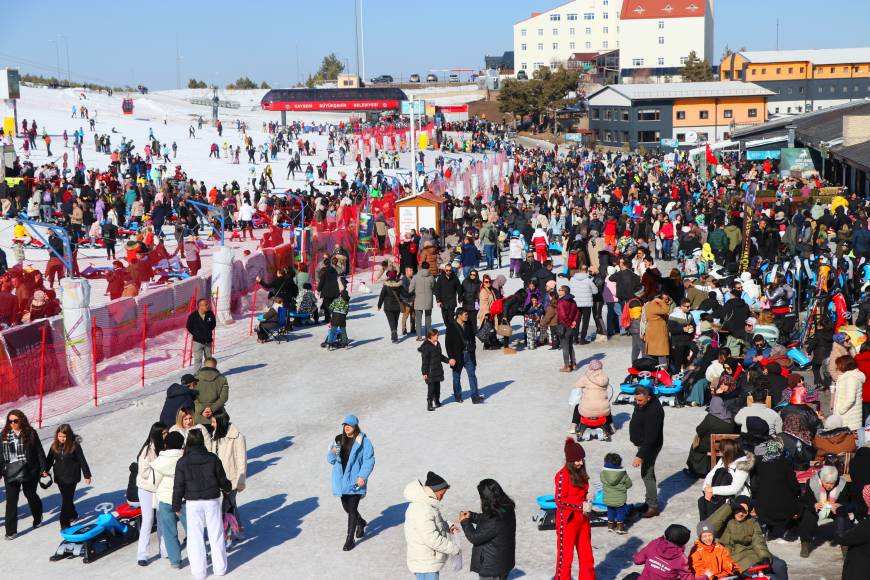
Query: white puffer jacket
x: 847, y: 398
x: 145, y: 477
x: 427, y: 533
x: 583, y: 289
x: 164, y: 473
x: 739, y: 469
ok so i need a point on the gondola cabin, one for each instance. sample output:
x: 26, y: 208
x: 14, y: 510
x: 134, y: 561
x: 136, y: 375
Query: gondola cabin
x: 127, y: 106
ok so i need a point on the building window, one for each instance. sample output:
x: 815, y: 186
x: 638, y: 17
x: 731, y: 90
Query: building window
x: 703, y: 114
x: 572, y: 17
x: 820, y: 89
x: 799, y: 109
x: 648, y: 136
x: 524, y: 66
x: 605, y: 30
x: 523, y: 32
x: 801, y: 90
x: 625, y: 136
x: 608, y: 115
x: 555, y: 46
x: 571, y: 45
x: 776, y: 110
x: 604, y: 44
x: 648, y: 114
x: 681, y: 137
x: 523, y: 46
x: 788, y: 110
x: 764, y: 71
x: 604, y: 15
x: 661, y: 24
x: 845, y: 89
x: 625, y: 114
x: 637, y: 62
x: 608, y: 136
x: 752, y: 113
x: 790, y: 70
x: 754, y: 72
x: 595, y: 114
x: 537, y: 65
x: 555, y: 32
x: 681, y: 115
x: 540, y: 32
x: 555, y: 17
x: 661, y: 61
x: 832, y: 89
x: 833, y: 69
x: 540, y: 46
x: 588, y: 30
x: 588, y: 16
x: 605, y: 2
x: 728, y: 113
x: 588, y: 45
x: 661, y: 39
x: 571, y: 31
x: 778, y: 70
x: 845, y: 69
x: 704, y: 136
x: 789, y: 90
x: 684, y: 59
x: 801, y: 69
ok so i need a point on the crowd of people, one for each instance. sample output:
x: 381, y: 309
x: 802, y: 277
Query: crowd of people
x: 761, y: 315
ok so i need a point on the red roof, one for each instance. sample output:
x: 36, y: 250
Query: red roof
x: 658, y: 9
x: 584, y: 56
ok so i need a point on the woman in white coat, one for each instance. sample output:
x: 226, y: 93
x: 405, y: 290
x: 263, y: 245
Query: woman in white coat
x: 847, y: 393
x: 229, y: 445
x: 164, y: 474
x: 728, y: 479
x: 146, y: 482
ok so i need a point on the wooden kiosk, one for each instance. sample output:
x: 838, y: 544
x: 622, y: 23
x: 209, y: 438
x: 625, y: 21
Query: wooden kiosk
x: 418, y: 211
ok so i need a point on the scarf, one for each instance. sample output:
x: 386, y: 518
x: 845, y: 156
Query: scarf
x: 719, y: 410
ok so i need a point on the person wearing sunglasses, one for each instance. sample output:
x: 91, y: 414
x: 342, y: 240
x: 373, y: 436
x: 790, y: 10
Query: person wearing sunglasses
x: 22, y: 461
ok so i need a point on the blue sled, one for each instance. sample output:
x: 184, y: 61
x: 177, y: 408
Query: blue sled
x: 95, y: 539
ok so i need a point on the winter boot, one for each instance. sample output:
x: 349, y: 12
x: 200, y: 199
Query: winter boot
x: 565, y: 369
x: 394, y: 337
x: 611, y: 526
x: 349, y: 543
x: 361, y: 528
x: 805, y: 549
x: 509, y: 350
x: 620, y: 528
x: 429, y: 405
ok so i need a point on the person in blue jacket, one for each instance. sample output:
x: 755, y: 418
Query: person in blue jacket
x: 352, y: 458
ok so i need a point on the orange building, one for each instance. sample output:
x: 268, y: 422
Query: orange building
x: 803, y: 80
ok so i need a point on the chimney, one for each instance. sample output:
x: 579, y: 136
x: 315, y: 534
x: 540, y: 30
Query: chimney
x: 856, y: 129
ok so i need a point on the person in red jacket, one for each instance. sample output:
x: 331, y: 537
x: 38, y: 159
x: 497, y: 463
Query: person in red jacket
x: 863, y: 360
x: 573, y: 531
x: 567, y: 315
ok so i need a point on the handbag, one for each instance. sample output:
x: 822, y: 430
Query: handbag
x: 485, y: 331
x: 504, y: 329
x: 15, y: 472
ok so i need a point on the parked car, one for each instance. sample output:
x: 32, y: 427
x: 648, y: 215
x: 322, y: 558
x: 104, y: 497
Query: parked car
x: 522, y: 76
x: 414, y: 78
x: 453, y: 78
x: 431, y: 78
x: 382, y: 79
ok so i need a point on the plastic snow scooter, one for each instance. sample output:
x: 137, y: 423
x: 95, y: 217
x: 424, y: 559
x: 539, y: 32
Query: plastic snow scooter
x: 108, y: 533
x: 647, y: 372
x: 546, y: 516
x: 593, y: 428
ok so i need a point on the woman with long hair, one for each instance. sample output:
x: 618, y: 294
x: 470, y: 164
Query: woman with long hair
x: 228, y: 443
x: 573, y: 531
x: 146, y: 482
x: 492, y: 532
x: 22, y: 461
x: 352, y: 458
x: 185, y: 422
x: 728, y: 478
x: 68, y: 460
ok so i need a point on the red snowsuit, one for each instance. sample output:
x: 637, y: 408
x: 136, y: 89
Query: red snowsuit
x: 541, y: 248
x: 572, y: 529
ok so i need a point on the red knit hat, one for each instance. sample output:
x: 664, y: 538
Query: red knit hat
x: 573, y: 451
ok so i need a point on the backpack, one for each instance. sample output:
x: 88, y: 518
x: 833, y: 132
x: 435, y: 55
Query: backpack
x: 491, y: 235
x: 625, y: 318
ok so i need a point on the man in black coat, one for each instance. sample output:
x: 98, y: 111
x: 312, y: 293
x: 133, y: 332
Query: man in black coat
x: 178, y: 396
x: 201, y: 324
x: 528, y: 268
x: 544, y: 275
x: 734, y: 314
x: 447, y: 291
x: 460, y: 344
x: 646, y: 431
x: 327, y: 286
x: 626, y: 282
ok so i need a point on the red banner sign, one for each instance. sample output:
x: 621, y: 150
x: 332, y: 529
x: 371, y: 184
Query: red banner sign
x: 331, y: 105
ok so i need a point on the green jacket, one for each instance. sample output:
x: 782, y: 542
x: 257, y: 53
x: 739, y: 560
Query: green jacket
x: 735, y: 236
x: 718, y: 240
x: 214, y: 391
x: 616, y: 483
x: 487, y: 231
x: 744, y: 540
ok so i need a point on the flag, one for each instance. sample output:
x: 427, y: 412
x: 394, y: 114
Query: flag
x: 711, y: 159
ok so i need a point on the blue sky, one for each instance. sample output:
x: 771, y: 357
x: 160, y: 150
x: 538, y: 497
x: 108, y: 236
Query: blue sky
x: 220, y: 40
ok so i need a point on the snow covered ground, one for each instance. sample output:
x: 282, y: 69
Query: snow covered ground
x: 288, y: 399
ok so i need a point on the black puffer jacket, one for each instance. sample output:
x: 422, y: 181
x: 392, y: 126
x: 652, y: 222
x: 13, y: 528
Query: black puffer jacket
x: 494, y: 543
x: 646, y: 429
x: 448, y: 290
x: 198, y: 475
x: 390, y: 298
x: 177, y: 396
x: 68, y: 467
x: 432, y: 357
x: 470, y: 293
x: 34, y: 456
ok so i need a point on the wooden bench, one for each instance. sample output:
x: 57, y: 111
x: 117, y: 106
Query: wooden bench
x: 768, y: 402
x: 715, y: 439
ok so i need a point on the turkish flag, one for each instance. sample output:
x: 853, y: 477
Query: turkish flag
x: 711, y: 159
x: 766, y: 166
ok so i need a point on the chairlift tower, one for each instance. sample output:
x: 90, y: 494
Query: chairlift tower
x: 215, y: 102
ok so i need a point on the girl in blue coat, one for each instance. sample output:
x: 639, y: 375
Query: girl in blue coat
x: 352, y: 458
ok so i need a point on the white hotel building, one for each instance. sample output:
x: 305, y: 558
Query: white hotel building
x: 654, y: 37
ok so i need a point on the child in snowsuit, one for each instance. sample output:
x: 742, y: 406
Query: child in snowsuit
x: 616, y: 482
x: 337, y: 336
x: 710, y: 558
x: 572, y: 522
x: 308, y: 303
x: 532, y: 322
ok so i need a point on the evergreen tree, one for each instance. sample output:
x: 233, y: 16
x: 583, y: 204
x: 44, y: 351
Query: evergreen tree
x: 329, y: 70
x: 696, y: 70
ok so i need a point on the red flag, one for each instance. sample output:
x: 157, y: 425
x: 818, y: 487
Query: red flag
x: 711, y: 159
